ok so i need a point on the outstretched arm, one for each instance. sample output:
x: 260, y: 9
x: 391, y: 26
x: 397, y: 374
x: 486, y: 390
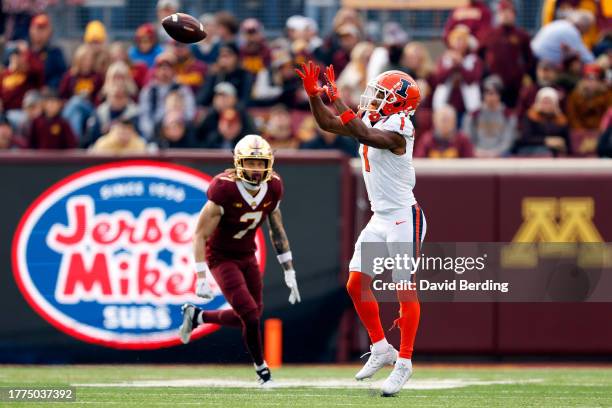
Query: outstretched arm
x: 381, y: 139
x: 207, y: 222
x: 280, y: 242
x: 353, y: 127
x: 281, y: 245
x: 325, y: 118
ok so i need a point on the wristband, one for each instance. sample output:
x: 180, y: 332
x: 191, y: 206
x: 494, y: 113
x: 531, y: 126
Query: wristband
x: 347, y: 116
x: 202, y: 267
x: 285, y: 257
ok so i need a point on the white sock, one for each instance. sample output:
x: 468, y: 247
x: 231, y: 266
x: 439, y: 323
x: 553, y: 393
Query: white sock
x: 380, y: 346
x: 404, y: 361
x: 260, y: 367
x: 200, y: 318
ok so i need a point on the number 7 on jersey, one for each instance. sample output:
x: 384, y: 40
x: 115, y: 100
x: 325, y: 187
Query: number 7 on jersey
x: 252, y: 217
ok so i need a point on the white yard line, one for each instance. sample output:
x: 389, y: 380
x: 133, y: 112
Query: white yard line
x: 433, y: 384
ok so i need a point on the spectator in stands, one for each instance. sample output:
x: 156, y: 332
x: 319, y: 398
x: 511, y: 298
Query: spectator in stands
x: 444, y: 141
x: 604, y: 45
x: 330, y: 141
x: 32, y: 109
x: 303, y: 40
x: 547, y: 74
x: 153, y: 95
x: 589, y: 101
x: 227, y: 26
x: 345, y: 17
x: 17, y: 16
x: 348, y: 37
x: 604, y: 147
x: 458, y: 74
x: 207, y: 50
x: 117, y: 104
x: 50, y: 56
x: 122, y: 138
x: 416, y: 61
x: 278, y: 130
x: 8, y: 139
x: 227, y: 122
x: 227, y: 70
x: 507, y: 42
x: 570, y: 74
x: 279, y: 84
x: 560, y: 9
x: 81, y: 79
x: 146, y: 47
x: 254, y: 51
x: 119, y: 75
x: 294, y: 27
x: 476, y: 16
x: 190, y: 71
x: 389, y: 55
x: 96, y: 37
x: 560, y: 38
x: 174, y: 133
x: 50, y: 130
x: 164, y: 9
x: 22, y: 74
x: 353, y: 80
x: 310, y: 34
x: 492, y: 128
x: 80, y: 87
x: 138, y: 70
x: 544, y: 130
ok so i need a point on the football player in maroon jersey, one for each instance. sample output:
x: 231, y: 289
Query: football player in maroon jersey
x: 239, y: 200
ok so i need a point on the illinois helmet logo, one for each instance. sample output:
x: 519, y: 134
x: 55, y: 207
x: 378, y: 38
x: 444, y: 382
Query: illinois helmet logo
x: 105, y: 254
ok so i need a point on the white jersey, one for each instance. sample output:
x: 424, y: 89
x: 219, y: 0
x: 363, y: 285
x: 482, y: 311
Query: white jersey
x: 389, y: 178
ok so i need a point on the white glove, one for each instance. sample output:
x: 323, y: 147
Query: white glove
x: 291, y: 283
x: 203, y: 289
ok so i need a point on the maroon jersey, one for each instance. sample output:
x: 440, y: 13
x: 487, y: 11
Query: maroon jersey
x: 234, y: 237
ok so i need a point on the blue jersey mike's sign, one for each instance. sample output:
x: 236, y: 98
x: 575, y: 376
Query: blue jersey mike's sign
x: 105, y: 255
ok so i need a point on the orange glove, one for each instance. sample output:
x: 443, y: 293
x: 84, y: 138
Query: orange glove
x: 310, y: 78
x: 331, y: 89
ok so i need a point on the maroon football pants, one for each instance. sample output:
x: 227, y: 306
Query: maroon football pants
x: 241, y: 284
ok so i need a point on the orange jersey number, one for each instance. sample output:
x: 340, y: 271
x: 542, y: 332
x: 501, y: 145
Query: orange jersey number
x: 366, y: 162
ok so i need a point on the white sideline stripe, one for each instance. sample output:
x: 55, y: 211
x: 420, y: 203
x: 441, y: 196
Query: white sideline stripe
x: 433, y: 384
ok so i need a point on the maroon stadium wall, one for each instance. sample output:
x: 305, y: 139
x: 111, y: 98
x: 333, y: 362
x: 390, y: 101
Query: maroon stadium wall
x: 324, y: 208
x: 489, y: 201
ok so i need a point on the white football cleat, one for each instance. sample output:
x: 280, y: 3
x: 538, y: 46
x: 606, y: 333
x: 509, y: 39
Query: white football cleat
x: 187, y: 327
x: 264, y: 377
x: 376, y: 362
x: 399, y: 376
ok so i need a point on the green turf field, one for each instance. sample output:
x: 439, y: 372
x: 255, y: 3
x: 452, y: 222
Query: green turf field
x: 318, y: 386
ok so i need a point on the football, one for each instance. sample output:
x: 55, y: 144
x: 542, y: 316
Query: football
x: 184, y: 28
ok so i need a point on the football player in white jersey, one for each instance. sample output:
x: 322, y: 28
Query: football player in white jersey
x: 386, y: 136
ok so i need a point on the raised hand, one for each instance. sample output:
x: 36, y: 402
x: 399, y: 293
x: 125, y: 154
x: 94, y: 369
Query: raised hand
x: 310, y: 78
x: 331, y: 89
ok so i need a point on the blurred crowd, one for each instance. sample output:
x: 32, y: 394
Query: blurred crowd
x: 494, y: 90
